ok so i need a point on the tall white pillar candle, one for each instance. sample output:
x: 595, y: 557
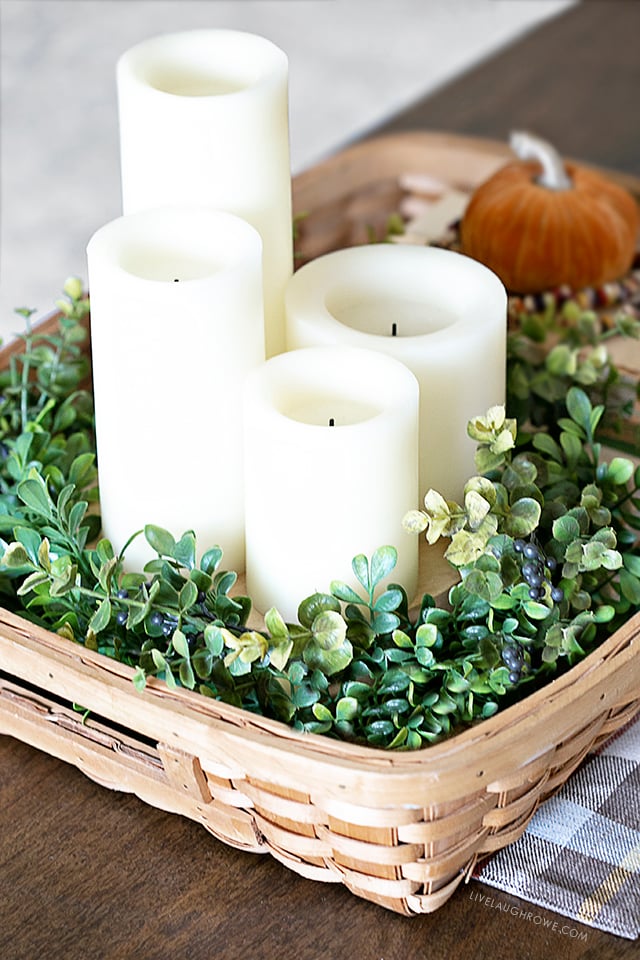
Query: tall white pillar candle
x: 440, y: 313
x: 176, y: 325
x: 331, y: 467
x: 204, y: 121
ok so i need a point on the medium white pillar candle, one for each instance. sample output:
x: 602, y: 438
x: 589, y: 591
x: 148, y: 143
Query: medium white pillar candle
x: 440, y: 313
x: 331, y: 466
x: 176, y: 325
x: 204, y: 121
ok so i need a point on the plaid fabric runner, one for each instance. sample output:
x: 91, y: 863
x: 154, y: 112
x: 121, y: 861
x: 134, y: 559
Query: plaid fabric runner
x: 580, y: 854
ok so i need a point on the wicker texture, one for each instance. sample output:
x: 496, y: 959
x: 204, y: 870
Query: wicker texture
x: 399, y: 829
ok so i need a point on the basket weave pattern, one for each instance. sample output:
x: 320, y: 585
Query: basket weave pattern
x: 399, y: 829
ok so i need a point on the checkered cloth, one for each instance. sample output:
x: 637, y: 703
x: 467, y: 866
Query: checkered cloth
x: 580, y: 854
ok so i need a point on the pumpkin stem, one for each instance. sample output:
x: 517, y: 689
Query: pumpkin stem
x: 528, y: 147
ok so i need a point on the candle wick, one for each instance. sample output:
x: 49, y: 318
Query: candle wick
x: 332, y: 422
x: 175, y: 280
x: 394, y: 329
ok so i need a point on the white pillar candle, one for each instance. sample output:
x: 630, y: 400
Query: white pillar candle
x: 176, y: 325
x: 331, y: 468
x: 204, y: 121
x: 440, y: 313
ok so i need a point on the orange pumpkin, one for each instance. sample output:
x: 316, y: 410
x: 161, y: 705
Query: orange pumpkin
x: 581, y: 232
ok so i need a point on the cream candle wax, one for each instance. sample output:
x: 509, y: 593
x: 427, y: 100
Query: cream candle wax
x: 440, y: 313
x: 331, y: 468
x: 204, y: 121
x: 176, y: 325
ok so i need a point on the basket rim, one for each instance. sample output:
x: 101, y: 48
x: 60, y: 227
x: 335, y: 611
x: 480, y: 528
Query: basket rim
x: 618, y: 650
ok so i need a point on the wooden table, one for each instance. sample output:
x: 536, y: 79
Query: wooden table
x: 87, y: 874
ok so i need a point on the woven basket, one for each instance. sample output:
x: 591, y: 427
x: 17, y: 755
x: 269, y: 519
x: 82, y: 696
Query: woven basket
x: 399, y: 829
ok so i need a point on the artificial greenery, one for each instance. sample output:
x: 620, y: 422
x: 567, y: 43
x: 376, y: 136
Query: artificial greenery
x: 545, y: 543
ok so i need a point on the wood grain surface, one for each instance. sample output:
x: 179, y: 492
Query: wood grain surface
x: 87, y: 874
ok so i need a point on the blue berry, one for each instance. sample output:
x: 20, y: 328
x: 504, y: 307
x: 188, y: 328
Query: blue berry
x: 122, y: 594
x: 557, y: 594
x: 518, y: 546
x: 514, y: 676
x: 156, y: 619
x: 533, y: 574
x: 513, y: 657
x: 531, y: 552
x: 121, y: 617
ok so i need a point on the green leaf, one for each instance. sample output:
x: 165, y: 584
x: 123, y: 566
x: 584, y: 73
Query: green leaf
x: 188, y: 595
x: 388, y: 601
x: 35, y: 496
x: 214, y: 639
x: 347, y: 708
x: 620, y: 470
x: 187, y: 677
x: 566, y: 529
x: 82, y: 469
x: 378, y: 730
x: 275, y: 624
x: 34, y: 580
x: 30, y: 540
x: 139, y: 679
x: 632, y: 563
x: 535, y: 610
x: 483, y: 584
x: 523, y: 517
x: 15, y: 556
x: 403, y: 640
x: 384, y: 623
x: 211, y: 559
x: 546, y: 444
x: 43, y: 555
x: 572, y: 447
x: 76, y: 516
x: 158, y: 659
x: 329, y: 630
x: 383, y: 561
x: 342, y: 591
x: 180, y: 644
x: 360, y: 567
x: 280, y: 652
x: 427, y: 635
x: 159, y: 540
x: 579, y: 407
x: 185, y: 550
x: 101, y: 617
x: 314, y: 605
x: 322, y: 713
x: 328, y: 661
x: 630, y: 587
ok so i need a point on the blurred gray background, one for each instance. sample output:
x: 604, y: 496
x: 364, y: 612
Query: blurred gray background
x: 352, y: 64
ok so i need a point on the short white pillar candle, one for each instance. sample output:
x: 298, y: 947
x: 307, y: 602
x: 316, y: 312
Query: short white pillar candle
x: 440, y: 313
x: 330, y: 468
x: 204, y: 121
x: 176, y: 325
